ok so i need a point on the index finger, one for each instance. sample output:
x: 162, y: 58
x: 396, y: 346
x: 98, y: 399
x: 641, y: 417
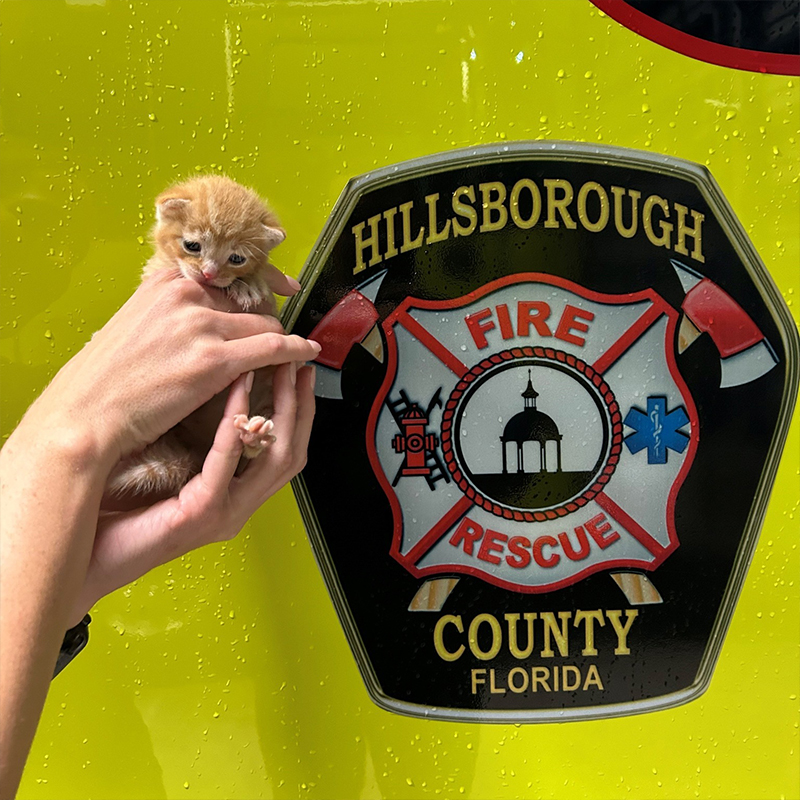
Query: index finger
x: 270, y: 349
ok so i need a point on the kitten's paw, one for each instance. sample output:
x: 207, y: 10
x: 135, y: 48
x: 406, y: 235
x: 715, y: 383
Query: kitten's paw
x: 255, y: 433
x: 248, y: 294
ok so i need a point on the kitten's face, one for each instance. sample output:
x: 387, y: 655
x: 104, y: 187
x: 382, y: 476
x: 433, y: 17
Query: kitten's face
x: 216, y: 260
x: 217, y: 232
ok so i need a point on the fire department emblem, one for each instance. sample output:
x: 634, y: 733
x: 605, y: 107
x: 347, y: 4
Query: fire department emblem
x: 554, y: 385
x: 518, y: 426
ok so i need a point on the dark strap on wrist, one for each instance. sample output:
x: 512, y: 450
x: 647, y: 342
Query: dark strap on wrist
x: 75, y: 640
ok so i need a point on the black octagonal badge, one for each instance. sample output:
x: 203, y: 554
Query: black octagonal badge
x: 554, y: 387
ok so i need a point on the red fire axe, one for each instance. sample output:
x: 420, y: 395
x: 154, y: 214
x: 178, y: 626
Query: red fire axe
x: 745, y: 354
x: 353, y: 320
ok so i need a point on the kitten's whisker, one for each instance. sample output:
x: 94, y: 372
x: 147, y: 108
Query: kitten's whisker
x: 252, y: 247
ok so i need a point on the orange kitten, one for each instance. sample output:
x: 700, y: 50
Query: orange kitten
x: 217, y: 233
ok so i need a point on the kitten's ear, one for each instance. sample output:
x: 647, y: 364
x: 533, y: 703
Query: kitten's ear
x: 274, y: 236
x: 171, y: 207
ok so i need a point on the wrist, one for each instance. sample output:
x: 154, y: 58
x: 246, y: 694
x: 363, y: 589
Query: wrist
x: 66, y: 441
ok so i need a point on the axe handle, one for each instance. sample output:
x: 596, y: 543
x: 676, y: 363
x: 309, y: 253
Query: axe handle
x: 433, y: 594
x: 373, y: 344
x: 637, y: 588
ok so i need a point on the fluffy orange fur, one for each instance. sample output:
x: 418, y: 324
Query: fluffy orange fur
x: 218, y: 233
x: 224, y: 219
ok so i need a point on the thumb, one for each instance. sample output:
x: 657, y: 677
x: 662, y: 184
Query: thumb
x: 282, y: 284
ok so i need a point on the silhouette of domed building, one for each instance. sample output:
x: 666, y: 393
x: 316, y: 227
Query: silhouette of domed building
x: 531, y: 425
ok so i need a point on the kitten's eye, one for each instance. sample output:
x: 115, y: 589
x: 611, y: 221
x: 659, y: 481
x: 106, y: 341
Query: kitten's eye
x: 192, y: 247
x: 237, y: 259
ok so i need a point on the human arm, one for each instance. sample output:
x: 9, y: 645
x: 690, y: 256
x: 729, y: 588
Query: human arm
x: 215, y: 504
x: 168, y: 350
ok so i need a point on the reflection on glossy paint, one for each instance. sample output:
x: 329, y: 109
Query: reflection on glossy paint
x: 312, y: 104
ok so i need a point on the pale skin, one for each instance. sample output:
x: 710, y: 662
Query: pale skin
x: 169, y: 349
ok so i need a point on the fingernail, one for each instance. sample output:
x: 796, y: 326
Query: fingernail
x: 295, y: 284
x: 293, y: 372
x: 313, y: 375
x: 248, y: 382
x: 316, y: 345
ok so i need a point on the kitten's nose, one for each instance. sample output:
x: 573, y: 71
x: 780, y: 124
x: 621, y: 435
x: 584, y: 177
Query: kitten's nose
x: 209, y: 274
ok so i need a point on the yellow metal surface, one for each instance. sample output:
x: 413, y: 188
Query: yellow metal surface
x: 226, y: 673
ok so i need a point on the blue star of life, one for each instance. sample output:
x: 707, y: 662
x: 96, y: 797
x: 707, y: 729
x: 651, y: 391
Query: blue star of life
x: 657, y: 430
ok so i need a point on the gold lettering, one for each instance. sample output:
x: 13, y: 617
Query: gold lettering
x: 561, y: 636
x: 536, y: 199
x: 492, y: 688
x: 539, y: 675
x: 478, y: 676
x: 696, y: 233
x: 490, y: 205
x: 647, y: 220
x: 592, y: 678
x: 408, y: 243
x: 497, y: 637
x: 583, y: 194
x: 391, y: 249
x: 576, y: 673
x: 511, y: 619
x: 434, y: 235
x: 517, y: 671
x: 362, y: 244
x: 622, y: 648
x: 464, y: 210
x: 497, y: 205
x: 589, y: 617
x: 438, y: 637
x: 619, y: 193
x: 558, y: 204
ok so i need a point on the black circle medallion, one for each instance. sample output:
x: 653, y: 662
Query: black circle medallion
x: 531, y: 433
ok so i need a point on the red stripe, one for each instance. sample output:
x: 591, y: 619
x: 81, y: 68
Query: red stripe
x: 438, y: 530
x: 693, y: 46
x: 627, y: 339
x: 433, y: 344
x: 629, y: 523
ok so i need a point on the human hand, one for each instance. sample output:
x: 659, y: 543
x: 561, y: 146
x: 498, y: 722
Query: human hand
x: 131, y: 383
x: 215, y: 504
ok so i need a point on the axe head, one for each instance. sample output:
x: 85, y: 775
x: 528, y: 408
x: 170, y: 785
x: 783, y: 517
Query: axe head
x: 747, y: 365
x: 713, y: 311
x: 328, y: 383
x: 744, y: 352
x: 351, y: 321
